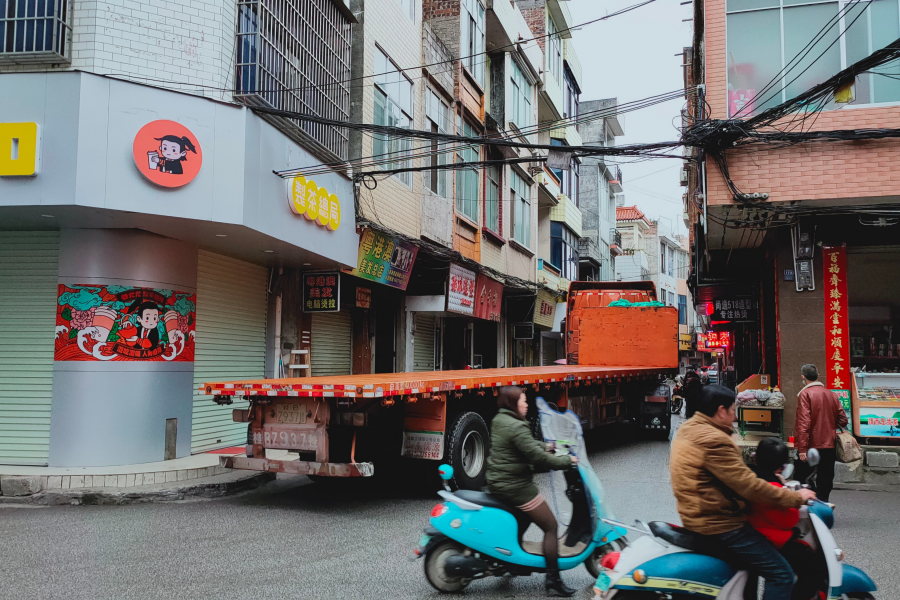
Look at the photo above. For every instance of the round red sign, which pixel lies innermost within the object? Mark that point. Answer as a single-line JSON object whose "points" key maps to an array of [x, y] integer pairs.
{"points": [[167, 153]]}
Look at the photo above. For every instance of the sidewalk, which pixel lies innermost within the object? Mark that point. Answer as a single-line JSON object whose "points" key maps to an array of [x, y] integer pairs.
{"points": [[199, 475]]}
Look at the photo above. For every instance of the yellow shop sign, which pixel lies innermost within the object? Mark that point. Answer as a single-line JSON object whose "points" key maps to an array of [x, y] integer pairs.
{"points": [[20, 149], [314, 202]]}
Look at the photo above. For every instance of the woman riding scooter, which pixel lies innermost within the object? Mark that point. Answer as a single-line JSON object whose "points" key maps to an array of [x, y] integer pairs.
{"points": [[514, 454]]}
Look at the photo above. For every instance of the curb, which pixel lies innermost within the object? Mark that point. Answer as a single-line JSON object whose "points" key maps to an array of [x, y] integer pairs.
{"points": [[867, 487], [214, 487]]}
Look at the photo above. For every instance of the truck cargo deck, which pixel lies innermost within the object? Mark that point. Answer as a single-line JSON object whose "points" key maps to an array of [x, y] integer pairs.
{"points": [[400, 384]]}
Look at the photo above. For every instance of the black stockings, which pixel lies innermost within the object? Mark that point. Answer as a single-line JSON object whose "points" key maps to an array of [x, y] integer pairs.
{"points": [[543, 517]]}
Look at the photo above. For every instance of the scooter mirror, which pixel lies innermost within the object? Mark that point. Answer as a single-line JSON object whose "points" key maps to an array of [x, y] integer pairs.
{"points": [[812, 457], [446, 472], [788, 471]]}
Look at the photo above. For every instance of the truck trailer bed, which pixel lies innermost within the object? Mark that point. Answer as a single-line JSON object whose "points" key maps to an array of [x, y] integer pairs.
{"points": [[402, 384]]}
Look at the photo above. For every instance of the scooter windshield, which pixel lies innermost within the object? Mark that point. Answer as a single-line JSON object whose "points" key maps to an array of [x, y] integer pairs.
{"points": [[564, 429]]}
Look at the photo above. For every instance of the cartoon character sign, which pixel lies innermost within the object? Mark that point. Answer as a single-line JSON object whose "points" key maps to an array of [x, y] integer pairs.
{"points": [[124, 323], [167, 153]]}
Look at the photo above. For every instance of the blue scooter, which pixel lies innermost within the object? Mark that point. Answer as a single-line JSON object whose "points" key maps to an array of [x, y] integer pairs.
{"points": [[673, 562], [474, 535]]}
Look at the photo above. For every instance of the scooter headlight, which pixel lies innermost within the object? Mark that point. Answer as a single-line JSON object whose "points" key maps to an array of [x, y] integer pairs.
{"points": [[639, 576]]}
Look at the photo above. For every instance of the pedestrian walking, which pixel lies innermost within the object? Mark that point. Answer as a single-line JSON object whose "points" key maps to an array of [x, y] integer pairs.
{"points": [[819, 414]]}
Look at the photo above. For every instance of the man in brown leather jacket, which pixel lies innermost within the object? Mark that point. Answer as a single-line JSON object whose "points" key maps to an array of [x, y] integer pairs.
{"points": [[819, 414], [712, 485]]}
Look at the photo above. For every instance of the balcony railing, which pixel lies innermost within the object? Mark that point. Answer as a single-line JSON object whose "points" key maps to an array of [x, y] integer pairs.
{"points": [[294, 55], [34, 31], [615, 237]]}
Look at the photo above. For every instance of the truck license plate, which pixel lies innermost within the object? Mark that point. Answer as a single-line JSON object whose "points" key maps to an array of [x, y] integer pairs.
{"points": [[423, 444], [286, 438], [290, 414]]}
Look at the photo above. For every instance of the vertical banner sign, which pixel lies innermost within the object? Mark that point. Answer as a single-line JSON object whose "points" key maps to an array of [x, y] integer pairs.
{"points": [[385, 259], [489, 298], [837, 334], [461, 290], [321, 292]]}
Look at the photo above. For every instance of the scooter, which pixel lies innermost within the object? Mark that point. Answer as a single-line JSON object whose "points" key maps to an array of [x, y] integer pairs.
{"points": [[474, 535], [673, 562]]}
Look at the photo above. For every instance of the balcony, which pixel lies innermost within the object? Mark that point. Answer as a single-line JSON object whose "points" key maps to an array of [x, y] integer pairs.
{"points": [[615, 244], [589, 249], [547, 274], [566, 212], [616, 184], [548, 189]]}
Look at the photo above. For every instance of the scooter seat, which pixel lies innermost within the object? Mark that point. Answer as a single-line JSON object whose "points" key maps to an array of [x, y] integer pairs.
{"points": [[685, 538], [485, 499]]}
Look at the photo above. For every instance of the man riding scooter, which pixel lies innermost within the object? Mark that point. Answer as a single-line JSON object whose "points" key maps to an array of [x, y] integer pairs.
{"points": [[712, 486]]}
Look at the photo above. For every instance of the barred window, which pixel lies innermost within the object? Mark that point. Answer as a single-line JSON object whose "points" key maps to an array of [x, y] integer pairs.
{"points": [[34, 31], [295, 55]]}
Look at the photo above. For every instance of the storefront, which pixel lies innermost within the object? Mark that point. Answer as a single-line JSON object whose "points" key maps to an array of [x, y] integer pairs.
{"points": [[142, 230]]}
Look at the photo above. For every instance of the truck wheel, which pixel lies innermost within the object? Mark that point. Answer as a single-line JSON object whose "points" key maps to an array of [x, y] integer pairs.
{"points": [[435, 562], [468, 446]]}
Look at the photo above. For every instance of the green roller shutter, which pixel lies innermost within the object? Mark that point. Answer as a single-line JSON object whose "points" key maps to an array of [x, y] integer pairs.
{"points": [[331, 343], [29, 276], [423, 343], [231, 343]]}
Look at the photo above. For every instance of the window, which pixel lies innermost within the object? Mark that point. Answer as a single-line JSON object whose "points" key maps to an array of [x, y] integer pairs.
{"points": [[473, 39], [568, 179], [282, 64], [393, 106], [759, 29], [662, 295], [520, 98], [520, 197], [564, 250], [682, 309], [408, 7], [570, 107], [682, 272], [492, 199], [34, 30], [554, 52], [670, 261], [467, 179], [662, 259], [438, 116]]}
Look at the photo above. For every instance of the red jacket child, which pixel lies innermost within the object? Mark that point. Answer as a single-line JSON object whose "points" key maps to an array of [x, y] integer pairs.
{"points": [[777, 524]]}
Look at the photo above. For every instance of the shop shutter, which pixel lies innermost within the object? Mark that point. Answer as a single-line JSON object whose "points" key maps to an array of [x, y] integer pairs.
{"points": [[548, 351], [331, 343], [423, 343], [29, 276], [231, 343]]}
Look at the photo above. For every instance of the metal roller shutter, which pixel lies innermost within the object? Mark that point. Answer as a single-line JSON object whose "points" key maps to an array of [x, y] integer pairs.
{"points": [[231, 343], [423, 343], [331, 343], [548, 351], [29, 272]]}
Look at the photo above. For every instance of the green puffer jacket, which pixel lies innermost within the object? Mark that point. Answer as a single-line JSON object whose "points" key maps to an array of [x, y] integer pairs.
{"points": [[514, 454]]}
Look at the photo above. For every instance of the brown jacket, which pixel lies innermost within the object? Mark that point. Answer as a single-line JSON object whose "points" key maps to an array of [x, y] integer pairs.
{"points": [[819, 414], [711, 481]]}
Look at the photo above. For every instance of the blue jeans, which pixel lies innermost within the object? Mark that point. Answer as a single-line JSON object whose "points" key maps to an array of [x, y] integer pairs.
{"points": [[753, 552]]}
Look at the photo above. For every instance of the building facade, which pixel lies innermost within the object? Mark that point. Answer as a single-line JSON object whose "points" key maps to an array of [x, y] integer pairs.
{"points": [[147, 246], [801, 272]]}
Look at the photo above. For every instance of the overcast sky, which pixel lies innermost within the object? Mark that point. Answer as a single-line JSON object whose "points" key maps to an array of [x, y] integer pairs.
{"points": [[630, 57]]}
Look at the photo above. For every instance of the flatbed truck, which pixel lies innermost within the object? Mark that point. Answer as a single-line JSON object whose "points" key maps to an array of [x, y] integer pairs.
{"points": [[345, 426]]}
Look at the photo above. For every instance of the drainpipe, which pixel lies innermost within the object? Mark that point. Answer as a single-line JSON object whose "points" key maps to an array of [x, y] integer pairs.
{"points": [[277, 370]]}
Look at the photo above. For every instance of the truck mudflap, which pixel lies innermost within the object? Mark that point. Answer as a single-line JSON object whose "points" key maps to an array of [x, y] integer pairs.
{"points": [[298, 467]]}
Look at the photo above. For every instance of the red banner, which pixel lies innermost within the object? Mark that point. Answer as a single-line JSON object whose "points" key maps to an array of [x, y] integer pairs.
{"points": [[488, 298], [837, 334]]}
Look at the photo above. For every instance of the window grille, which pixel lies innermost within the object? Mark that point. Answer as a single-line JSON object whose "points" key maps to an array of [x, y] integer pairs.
{"points": [[295, 55], [34, 31]]}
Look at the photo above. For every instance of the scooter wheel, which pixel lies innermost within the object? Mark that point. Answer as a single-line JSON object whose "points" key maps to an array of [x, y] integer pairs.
{"points": [[592, 564], [435, 562]]}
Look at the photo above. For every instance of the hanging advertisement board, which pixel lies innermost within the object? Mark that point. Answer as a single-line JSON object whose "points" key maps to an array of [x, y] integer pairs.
{"points": [[461, 290], [385, 259]]}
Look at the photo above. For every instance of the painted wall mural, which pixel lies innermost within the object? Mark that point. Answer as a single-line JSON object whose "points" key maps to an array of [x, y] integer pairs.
{"points": [[124, 323]]}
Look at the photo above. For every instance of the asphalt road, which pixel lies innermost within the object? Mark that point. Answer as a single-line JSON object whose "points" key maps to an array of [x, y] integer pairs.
{"points": [[297, 539]]}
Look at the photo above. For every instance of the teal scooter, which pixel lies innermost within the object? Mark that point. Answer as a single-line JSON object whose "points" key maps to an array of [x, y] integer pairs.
{"points": [[473, 535]]}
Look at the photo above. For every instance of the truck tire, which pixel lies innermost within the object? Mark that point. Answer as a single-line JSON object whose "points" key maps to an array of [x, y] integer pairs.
{"points": [[468, 447]]}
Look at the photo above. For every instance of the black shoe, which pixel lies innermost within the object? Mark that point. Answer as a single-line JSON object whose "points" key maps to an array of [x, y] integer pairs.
{"points": [[555, 586]]}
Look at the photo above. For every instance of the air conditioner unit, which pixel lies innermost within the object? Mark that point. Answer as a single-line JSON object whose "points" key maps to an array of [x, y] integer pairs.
{"points": [[523, 331]]}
